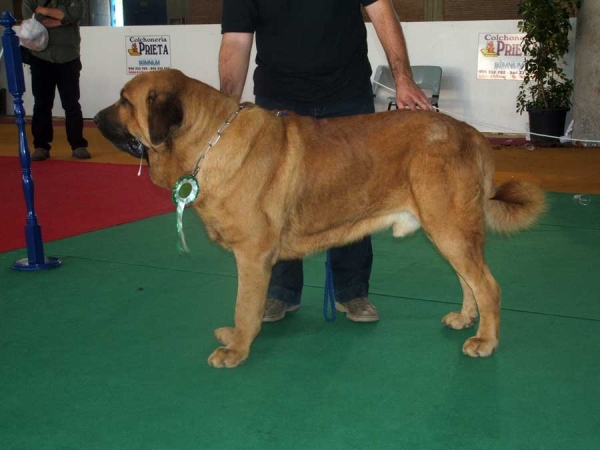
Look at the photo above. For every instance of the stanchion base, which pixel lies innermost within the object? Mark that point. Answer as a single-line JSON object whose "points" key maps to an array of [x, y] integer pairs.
{"points": [[24, 265]]}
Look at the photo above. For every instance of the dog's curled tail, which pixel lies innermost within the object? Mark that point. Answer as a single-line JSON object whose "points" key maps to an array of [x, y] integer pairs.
{"points": [[516, 205]]}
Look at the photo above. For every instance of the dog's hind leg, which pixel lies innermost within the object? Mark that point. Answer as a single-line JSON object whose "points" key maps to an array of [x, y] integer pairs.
{"points": [[465, 318], [487, 295], [448, 189], [254, 273], [463, 248], [456, 228]]}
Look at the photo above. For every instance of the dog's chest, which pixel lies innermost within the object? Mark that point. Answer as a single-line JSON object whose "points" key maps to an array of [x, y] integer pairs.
{"points": [[218, 230]]}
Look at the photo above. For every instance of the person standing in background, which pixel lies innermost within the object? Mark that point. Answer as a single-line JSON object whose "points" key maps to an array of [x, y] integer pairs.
{"points": [[58, 66], [312, 59]]}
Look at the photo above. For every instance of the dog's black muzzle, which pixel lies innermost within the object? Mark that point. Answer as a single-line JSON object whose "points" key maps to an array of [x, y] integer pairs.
{"points": [[118, 135], [133, 147]]}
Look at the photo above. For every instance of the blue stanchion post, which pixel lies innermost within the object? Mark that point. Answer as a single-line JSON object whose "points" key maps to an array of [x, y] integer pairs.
{"points": [[16, 85]]}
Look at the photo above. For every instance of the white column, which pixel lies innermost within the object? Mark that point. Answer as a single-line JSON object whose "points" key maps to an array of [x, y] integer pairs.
{"points": [[586, 97]]}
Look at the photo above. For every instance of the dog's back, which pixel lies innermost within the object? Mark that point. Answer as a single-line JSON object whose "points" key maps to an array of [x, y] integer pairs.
{"points": [[370, 168]]}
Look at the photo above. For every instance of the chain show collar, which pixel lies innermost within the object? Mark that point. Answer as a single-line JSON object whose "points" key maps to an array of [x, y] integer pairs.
{"points": [[187, 188], [217, 136]]}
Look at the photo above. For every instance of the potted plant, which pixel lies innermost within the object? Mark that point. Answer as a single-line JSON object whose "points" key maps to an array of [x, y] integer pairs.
{"points": [[545, 91]]}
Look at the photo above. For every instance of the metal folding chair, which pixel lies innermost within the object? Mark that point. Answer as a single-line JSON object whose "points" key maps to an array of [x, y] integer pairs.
{"points": [[428, 78]]}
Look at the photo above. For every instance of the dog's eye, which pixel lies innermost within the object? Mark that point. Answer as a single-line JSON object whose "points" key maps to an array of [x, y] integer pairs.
{"points": [[123, 100]]}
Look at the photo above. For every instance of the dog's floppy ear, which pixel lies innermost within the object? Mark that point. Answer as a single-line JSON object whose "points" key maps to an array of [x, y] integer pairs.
{"points": [[165, 115]]}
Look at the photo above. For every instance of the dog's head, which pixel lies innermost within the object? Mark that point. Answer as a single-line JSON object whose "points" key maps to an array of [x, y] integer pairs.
{"points": [[148, 113]]}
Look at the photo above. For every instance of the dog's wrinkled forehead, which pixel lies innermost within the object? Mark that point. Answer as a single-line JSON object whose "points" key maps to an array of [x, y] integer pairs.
{"points": [[134, 93], [153, 104], [151, 83]]}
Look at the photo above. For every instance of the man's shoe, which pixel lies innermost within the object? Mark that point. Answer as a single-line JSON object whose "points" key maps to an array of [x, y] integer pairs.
{"points": [[359, 310], [81, 153], [40, 154], [275, 310]]}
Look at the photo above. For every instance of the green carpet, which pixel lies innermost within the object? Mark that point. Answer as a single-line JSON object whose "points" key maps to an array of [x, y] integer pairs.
{"points": [[109, 351]]}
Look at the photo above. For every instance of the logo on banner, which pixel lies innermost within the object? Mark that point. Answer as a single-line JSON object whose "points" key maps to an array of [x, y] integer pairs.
{"points": [[133, 51], [489, 50]]}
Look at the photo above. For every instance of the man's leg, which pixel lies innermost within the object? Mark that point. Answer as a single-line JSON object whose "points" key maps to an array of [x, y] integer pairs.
{"points": [[351, 264], [43, 87], [351, 267], [68, 89], [287, 277], [285, 289]]}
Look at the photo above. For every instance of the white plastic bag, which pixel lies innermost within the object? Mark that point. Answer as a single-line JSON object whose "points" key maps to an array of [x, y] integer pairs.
{"points": [[33, 35]]}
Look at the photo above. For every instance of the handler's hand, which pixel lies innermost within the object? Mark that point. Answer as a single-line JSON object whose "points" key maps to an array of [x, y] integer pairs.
{"points": [[409, 95]]}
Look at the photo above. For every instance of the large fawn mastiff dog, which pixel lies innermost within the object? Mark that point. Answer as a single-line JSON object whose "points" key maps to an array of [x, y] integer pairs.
{"points": [[279, 186]]}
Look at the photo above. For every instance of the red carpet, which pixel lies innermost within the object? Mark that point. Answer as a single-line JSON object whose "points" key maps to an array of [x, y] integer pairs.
{"points": [[73, 197]]}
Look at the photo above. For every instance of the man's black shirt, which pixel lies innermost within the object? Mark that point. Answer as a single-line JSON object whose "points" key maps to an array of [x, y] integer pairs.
{"points": [[308, 51]]}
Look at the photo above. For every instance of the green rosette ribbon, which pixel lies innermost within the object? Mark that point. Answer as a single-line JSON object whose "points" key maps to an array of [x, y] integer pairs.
{"points": [[185, 192]]}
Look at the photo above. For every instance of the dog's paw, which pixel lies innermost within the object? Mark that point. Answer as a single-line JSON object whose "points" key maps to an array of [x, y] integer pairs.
{"points": [[225, 335], [479, 347], [226, 357], [458, 321]]}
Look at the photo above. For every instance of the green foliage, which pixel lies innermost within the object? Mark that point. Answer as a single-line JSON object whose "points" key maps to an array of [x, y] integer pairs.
{"points": [[546, 26]]}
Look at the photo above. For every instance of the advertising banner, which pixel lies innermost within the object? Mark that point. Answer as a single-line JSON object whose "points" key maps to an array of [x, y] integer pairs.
{"points": [[147, 53], [500, 56]]}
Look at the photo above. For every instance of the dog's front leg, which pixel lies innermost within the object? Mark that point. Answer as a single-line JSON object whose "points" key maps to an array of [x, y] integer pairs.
{"points": [[254, 274]]}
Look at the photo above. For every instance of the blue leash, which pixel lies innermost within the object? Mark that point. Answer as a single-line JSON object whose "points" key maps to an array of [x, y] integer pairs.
{"points": [[329, 294]]}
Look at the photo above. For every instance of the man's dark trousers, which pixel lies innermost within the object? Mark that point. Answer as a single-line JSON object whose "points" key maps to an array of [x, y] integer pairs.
{"points": [[45, 78], [351, 264]]}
